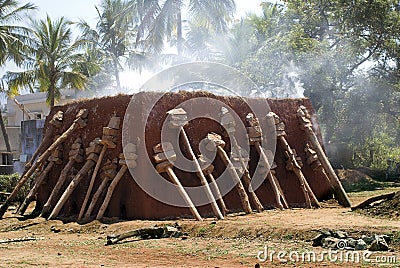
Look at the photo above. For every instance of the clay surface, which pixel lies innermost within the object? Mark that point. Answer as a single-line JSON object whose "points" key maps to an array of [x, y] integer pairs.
{"points": [[129, 201]]}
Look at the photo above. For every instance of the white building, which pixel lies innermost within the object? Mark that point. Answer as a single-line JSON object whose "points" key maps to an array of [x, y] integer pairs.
{"points": [[29, 116]]}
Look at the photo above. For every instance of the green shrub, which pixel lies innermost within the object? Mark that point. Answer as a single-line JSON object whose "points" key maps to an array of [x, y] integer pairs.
{"points": [[7, 184]]}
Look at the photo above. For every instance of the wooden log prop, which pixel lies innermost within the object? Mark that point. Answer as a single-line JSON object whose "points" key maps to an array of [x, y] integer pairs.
{"points": [[108, 141], [178, 119], [313, 160], [109, 171], [79, 122], [255, 138], [373, 199], [92, 156], [54, 159], [208, 168], [293, 162], [22, 239], [306, 125], [240, 158], [76, 155], [214, 142], [126, 160], [164, 156], [146, 233]]}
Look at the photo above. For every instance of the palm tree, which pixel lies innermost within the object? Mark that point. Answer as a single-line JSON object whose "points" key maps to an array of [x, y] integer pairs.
{"points": [[12, 44], [161, 20], [51, 60], [113, 33]]}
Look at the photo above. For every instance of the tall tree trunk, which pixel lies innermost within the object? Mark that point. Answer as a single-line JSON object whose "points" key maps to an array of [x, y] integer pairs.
{"points": [[179, 40], [116, 73], [51, 92], [6, 140]]}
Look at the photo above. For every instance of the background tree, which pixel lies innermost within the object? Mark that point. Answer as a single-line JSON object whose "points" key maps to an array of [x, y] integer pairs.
{"points": [[161, 21], [13, 41], [343, 55], [50, 60], [114, 33]]}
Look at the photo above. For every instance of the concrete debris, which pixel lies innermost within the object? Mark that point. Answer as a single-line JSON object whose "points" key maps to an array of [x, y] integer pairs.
{"points": [[342, 241]]}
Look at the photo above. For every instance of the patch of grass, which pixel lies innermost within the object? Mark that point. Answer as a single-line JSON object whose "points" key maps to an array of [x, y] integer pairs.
{"points": [[8, 183], [288, 236], [366, 186]]}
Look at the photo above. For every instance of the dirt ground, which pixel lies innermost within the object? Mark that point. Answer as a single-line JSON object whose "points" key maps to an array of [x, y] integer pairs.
{"points": [[233, 242]]}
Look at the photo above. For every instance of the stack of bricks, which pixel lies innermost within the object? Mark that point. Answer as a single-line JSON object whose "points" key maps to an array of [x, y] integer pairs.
{"points": [[76, 152], [312, 158], [129, 157], [109, 169], [164, 155], [93, 151], [110, 133]]}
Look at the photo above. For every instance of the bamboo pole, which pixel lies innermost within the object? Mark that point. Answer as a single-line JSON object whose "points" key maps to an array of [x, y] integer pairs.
{"points": [[229, 124]]}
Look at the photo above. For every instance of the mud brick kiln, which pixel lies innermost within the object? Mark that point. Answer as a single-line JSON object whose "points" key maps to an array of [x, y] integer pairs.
{"points": [[104, 120]]}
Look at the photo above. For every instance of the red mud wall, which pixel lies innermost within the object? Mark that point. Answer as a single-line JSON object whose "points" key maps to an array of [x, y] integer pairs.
{"points": [[129, 201]]}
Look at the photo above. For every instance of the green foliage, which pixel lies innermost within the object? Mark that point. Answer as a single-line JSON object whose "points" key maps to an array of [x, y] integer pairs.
{"points": [[14, 39], [7, 184], [50, 60], [380, 147], [346, 57]]}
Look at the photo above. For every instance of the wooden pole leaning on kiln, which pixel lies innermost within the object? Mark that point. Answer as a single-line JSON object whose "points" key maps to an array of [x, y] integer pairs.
{"points": [[75, 155], [293, 163], [208, 168], [178, 120], [92, 156], [239, 162], [255, 138], [79, 122], [54, 159], [306, 125], [107, 141], [164, 156], [214, 143], [109, 171], [126, 160]]}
